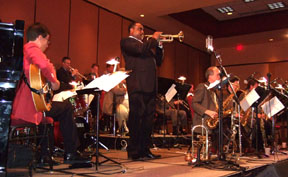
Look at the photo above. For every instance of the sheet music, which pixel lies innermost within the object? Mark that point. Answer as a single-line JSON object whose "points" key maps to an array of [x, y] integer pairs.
{"points": [[108, 81], [249, 99], [170, 93], [60, 97], [272, 107]]}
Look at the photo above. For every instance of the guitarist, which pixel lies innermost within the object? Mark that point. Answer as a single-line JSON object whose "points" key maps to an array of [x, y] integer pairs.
{"points": [[23, 106]]}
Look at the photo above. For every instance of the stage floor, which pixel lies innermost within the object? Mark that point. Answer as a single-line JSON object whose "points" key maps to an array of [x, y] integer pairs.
{"points": [[171, 164]]}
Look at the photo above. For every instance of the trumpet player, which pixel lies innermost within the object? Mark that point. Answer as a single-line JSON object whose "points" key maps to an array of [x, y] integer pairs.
{"points": [[142, 57], [66, 74]]}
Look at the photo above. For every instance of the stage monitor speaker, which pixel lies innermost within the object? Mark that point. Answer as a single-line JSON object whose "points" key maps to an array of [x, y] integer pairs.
{"points": [[275, 170]]}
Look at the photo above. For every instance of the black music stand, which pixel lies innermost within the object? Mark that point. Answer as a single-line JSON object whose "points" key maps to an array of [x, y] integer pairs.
{"points": [[97, 92], [263, 93], [182, 91], [163, 85]]}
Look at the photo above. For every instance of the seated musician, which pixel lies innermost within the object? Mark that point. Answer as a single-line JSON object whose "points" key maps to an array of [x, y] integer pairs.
{"points": [[204, 103], [114, 99], [93, 74], [230, 106], [171, 111], [23, 106], [264, 131], [66, 74]]}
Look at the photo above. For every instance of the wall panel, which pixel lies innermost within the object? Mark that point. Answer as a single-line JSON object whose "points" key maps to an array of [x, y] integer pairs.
{"points": [[17, 10], [83, 35], [125, 24], [47, 12], [167, 68], [109, 37], [193, 67], [181, 60]]}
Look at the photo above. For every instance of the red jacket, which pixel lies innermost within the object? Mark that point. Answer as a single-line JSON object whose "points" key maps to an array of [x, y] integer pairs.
{"points": [[23, 106]]}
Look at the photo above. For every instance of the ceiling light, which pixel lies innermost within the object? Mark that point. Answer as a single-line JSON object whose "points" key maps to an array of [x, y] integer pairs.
{"points": [[271, 39], [276, 5], [225, 10], [247, 1], [229, 13], [142, 15]]}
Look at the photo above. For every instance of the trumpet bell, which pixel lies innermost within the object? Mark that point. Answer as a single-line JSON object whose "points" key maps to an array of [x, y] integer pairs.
{"points": [[181, 36]]}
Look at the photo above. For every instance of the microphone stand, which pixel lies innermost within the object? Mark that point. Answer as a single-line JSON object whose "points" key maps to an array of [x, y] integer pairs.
{"points": [[221, 155]]}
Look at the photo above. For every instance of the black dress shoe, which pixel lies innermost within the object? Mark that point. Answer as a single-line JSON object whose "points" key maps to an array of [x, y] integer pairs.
{"points": [[46, 160], [72, 158], [151, 156]]}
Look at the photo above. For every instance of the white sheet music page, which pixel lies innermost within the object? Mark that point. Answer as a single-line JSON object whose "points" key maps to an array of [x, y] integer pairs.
{"points": [[249, 99], [108, 81], [170, 93], [272, 107], [60, 97]]}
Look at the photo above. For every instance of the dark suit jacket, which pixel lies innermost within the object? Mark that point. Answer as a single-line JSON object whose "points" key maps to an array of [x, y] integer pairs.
{"points": [[143, 61], [202, 101], [64, 77]]}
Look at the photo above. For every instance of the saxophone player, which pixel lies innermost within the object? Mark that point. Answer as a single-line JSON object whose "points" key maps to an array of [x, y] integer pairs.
{"points": [[204, 103]]}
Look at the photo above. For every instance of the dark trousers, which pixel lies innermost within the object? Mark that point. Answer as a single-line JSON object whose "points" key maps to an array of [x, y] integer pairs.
{"points": [[63, 112], [140, 122]]}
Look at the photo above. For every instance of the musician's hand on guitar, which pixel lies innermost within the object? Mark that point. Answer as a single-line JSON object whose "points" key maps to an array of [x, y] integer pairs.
{"points": [[55, 85], [210, 113]]}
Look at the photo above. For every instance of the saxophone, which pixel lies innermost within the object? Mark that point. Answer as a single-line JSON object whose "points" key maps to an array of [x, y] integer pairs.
{"points": [[245, 118], [213, 122]]}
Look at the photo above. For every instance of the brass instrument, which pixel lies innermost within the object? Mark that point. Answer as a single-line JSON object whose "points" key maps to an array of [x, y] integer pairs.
{"points": [[79, 74], [212, 122], [169, 37], [204, 142]]}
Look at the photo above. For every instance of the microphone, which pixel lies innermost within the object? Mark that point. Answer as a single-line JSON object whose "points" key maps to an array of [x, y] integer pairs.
{"points": [[209, 43], [250, 77]]}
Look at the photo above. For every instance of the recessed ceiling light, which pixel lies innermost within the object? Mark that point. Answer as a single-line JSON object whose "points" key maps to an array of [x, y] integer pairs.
{"points": [[271, 39], [276, 5], [225, 10], [142, 15], [247, 1]]}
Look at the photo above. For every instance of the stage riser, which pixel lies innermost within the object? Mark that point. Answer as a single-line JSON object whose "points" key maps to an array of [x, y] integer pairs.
{"points": [[115, 142], [279, 169]]}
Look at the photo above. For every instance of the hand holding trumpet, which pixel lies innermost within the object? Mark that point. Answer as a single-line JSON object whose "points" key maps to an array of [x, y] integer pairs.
{"points": [[76, 72]]}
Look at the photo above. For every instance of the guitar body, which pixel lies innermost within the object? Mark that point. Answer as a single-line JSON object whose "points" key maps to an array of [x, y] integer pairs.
{"points": [[42, 101]]}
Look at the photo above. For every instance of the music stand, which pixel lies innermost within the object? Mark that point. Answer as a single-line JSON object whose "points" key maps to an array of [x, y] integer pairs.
{"points": [[263, 93], [182, 91], [163, 85], [97, 92]]}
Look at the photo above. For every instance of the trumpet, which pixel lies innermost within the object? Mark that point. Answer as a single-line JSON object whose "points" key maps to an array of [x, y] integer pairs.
{"points": [[169, 37], [79, 74]]}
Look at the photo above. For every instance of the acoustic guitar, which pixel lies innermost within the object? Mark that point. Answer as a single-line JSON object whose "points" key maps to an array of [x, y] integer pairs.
{"points": [[43, 98]]}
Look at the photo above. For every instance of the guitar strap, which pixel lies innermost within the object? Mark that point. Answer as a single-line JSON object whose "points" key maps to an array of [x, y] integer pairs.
{"points": [[32, 89]]}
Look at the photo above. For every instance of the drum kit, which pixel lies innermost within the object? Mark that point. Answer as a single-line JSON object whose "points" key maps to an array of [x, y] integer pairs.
{"points": [[82, 115]]}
